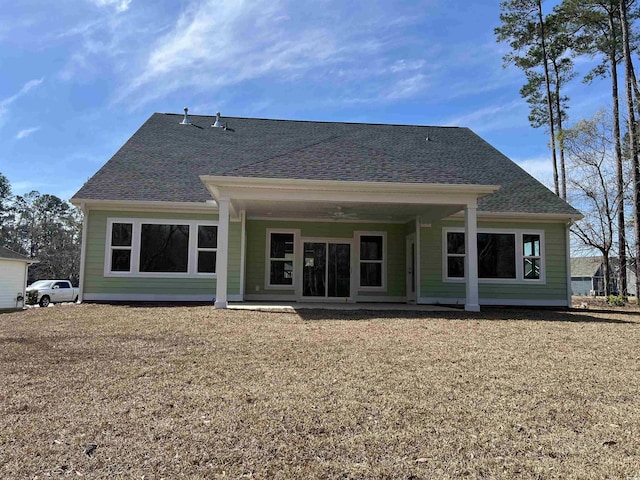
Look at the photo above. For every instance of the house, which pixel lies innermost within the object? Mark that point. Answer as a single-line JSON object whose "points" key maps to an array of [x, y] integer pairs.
{"points": [[13, 278], [587, 276], [193, 208]]}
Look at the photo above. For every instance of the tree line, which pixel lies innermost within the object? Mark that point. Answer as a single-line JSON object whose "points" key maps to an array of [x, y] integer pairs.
{"points": [[595, 161], [42, 227]]}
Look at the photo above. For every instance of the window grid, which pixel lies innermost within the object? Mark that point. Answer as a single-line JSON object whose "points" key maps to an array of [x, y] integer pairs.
{"points": [[135, 244], [280, 259], [531, 256], [520, 259], [372, 260]]}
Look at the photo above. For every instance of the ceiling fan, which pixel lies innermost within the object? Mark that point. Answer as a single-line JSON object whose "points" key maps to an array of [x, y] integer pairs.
{"points": [[340, 214]]}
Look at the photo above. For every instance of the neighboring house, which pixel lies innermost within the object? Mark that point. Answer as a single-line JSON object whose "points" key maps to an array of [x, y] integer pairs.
{"points": [[13, 278], [587, 276], [259, 210]]}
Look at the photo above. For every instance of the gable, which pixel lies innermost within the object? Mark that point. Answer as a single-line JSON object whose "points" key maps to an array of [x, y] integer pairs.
{"points": [[163, 160]]}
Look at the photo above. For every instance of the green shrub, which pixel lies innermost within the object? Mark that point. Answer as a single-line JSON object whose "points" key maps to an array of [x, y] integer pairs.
{"points": [[616, 300], [32, 297]]}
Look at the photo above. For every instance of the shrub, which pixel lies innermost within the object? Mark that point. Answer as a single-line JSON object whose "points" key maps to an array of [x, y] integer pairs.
{"points": [[616, 300], [32, 297]]}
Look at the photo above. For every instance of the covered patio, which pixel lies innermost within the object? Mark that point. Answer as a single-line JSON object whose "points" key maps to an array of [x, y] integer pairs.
{"points": [[240, 198]]}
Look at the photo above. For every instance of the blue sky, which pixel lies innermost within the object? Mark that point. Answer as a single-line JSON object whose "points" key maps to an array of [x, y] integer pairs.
{"points": [[80, 76]]}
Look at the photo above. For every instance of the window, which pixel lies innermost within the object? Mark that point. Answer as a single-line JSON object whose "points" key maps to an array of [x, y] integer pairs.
{"points": [[164, 248], [281, 256], [150, 247], [496, 255], [455, 254], [371, 260], [531, 256], [121, 237], [207, 248], [502, 256]]}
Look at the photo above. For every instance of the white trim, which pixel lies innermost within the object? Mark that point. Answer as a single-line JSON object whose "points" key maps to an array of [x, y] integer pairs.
{"points": [[568, 263], [520, 217], [261, 297], [323, 220], [192, 262], [222, 256], [471, 259], [411, 267], [154, 297], [292, 190], [267, 257], [357, 234], [300, 273], [418, 258], [83, 250], [25, 260], [518, 233], [525, 302], [341, 185], [210, 206]]}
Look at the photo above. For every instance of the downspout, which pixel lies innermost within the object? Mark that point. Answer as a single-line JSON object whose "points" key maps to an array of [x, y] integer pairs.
{"points": [[83, 249], [417, 265], [568, 261], [24, 287]]}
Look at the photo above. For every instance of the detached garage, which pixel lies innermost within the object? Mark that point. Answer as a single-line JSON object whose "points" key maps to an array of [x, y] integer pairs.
{"points": [[13, 278]]}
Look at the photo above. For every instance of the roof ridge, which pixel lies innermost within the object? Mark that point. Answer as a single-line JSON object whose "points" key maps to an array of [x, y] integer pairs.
{"points": [[317, 121]]}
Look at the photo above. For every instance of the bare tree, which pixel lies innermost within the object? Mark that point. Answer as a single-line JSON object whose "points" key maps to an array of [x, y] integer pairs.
{"points": [[592, 185]]}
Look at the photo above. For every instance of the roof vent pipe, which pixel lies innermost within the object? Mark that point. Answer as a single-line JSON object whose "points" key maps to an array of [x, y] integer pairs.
{"points": [[217, 124], [185, 120]]}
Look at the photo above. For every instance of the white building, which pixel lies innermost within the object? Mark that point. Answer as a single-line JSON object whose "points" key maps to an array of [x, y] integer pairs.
{"points": [[13, 278]]}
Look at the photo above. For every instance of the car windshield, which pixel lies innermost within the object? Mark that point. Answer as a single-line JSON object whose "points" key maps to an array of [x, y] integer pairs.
{"points": [[41, 284]]}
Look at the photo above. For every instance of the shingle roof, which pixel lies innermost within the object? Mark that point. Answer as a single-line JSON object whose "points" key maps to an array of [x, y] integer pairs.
{"points": [[585, 266], [10, 254], [162, 161]]}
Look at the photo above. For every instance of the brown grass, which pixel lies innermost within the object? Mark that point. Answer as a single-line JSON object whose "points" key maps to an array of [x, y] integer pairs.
{"points": [[192, 392]]}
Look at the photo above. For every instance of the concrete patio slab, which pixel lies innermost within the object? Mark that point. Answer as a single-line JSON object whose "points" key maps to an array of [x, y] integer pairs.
{"points": [[295, 306]]}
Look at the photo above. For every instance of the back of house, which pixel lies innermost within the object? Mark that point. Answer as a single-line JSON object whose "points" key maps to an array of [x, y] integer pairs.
{"points": [[193, 208]]}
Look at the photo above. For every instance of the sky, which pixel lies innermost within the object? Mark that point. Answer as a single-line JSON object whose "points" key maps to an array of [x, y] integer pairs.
{"points": [[79, 77]]}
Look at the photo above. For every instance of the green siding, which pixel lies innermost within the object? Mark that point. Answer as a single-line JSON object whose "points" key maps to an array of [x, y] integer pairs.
{"points": [[256, 251], [96, 283], [555, 288]]}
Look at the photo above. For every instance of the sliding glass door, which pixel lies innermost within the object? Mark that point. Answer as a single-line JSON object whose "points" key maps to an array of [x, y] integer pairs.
{"points": [[326, 270]]}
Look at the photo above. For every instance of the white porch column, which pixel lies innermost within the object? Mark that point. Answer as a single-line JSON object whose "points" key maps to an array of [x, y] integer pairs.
{"points": [[471, 258], [222, 256]]}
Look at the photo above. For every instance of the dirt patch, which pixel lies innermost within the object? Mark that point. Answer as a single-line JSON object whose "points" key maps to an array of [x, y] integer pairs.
{"points": [[191, 392]]}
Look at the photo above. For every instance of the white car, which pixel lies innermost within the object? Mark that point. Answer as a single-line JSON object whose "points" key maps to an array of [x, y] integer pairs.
{"points": [[51, 291]]}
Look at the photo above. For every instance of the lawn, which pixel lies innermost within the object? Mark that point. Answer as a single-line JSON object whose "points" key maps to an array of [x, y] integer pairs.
{"points": [[191, 392]]}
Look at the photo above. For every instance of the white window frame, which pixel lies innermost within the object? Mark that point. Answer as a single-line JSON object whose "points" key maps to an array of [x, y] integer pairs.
{"points": [[109, 254], [203, 249], [519, 256], [267, 257], [358, 235], [532, 257], [134, 272]]}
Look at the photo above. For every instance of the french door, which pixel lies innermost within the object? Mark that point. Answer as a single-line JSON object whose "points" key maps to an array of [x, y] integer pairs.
{"points": [[326, 270]]}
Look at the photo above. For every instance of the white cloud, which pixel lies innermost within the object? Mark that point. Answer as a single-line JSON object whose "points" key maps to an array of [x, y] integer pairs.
{"points": [[5, 103], [119, 5], [26, 132], [216, 43], [404, 65], [540, 167], [493, 117], [408, 87]]}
